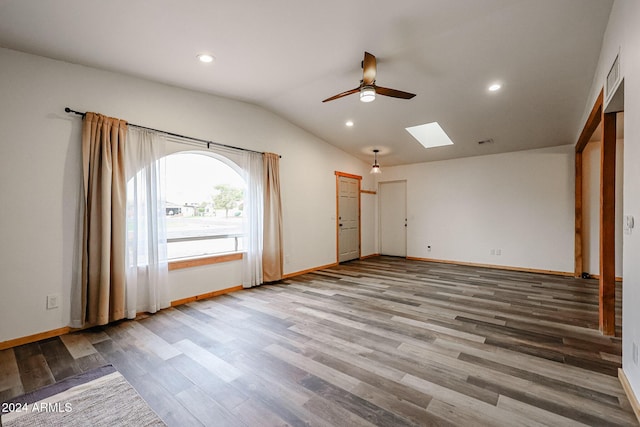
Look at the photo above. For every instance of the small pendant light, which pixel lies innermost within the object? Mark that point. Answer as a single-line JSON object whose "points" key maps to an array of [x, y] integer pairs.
{"points": [[376, 167]]}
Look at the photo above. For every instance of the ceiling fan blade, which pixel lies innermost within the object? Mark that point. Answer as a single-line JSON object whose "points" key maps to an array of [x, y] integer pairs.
{"points": [[340, 95], [393, 93], [368, 69]]}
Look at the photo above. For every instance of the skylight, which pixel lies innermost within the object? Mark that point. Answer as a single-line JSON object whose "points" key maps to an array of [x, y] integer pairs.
{"points": [[430, 135]]}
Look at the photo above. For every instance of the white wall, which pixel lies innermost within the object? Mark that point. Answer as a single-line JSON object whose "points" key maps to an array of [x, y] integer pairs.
{"points": [[188, 282], [40, 178], [521, 203], [623, 36]]}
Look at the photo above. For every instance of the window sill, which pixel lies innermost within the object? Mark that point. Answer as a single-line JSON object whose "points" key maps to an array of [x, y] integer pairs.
{"points": [[208, 260]]}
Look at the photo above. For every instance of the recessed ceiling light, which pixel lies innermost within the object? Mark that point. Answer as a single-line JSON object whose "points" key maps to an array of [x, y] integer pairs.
{"points": [[430, 135], [348, 123], [494, 87], [205, 57]]}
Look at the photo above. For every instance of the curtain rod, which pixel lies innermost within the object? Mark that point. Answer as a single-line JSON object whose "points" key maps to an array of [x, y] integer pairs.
{"points": [[79, 113]]}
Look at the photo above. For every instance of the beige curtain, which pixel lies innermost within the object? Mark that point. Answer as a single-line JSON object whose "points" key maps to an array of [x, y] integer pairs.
{"points": [[103, 257], [272, 234]]}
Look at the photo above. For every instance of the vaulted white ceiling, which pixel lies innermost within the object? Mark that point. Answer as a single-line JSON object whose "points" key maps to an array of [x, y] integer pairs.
{"points": [[287, 56]]}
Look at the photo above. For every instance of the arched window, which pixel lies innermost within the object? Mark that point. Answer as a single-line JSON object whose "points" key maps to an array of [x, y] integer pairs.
{"points": [[204, 205]]}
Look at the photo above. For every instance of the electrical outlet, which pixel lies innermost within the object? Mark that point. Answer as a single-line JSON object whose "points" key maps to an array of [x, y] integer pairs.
{"points": [[498, 251], [428, 248], [52, 301], [493, 251], [634, 353]]}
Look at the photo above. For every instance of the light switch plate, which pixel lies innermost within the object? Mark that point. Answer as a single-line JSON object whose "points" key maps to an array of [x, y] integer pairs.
{"points": [[52, 301]]}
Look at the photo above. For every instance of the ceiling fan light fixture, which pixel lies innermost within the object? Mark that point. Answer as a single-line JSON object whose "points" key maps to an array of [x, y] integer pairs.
{"points": [[367, 94], [368, 89], [375, 168]]}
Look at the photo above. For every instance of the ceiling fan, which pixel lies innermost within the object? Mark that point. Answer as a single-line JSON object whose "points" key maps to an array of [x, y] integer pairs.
{"points": [[368, 88]]}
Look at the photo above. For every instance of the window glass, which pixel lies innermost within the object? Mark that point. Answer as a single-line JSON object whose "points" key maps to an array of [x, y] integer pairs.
{"points": [[204, 205]]}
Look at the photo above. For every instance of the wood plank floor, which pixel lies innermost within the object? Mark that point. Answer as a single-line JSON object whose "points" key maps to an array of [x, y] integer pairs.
{"points": [[384, 341]]}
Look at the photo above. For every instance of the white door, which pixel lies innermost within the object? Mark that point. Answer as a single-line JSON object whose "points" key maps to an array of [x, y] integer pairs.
{"points": [[393, 218], [348, 218]]}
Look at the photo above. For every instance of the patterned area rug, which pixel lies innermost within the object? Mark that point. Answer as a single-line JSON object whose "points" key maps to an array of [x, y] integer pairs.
{"points": [[101, 397]]}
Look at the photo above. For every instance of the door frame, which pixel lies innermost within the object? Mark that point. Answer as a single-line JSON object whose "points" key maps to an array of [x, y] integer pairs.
{"points": [[607, 279], [359, 179]]}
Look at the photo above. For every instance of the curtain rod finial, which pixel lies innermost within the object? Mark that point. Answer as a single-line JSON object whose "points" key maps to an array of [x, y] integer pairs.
{"points": [[69, 110]]}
